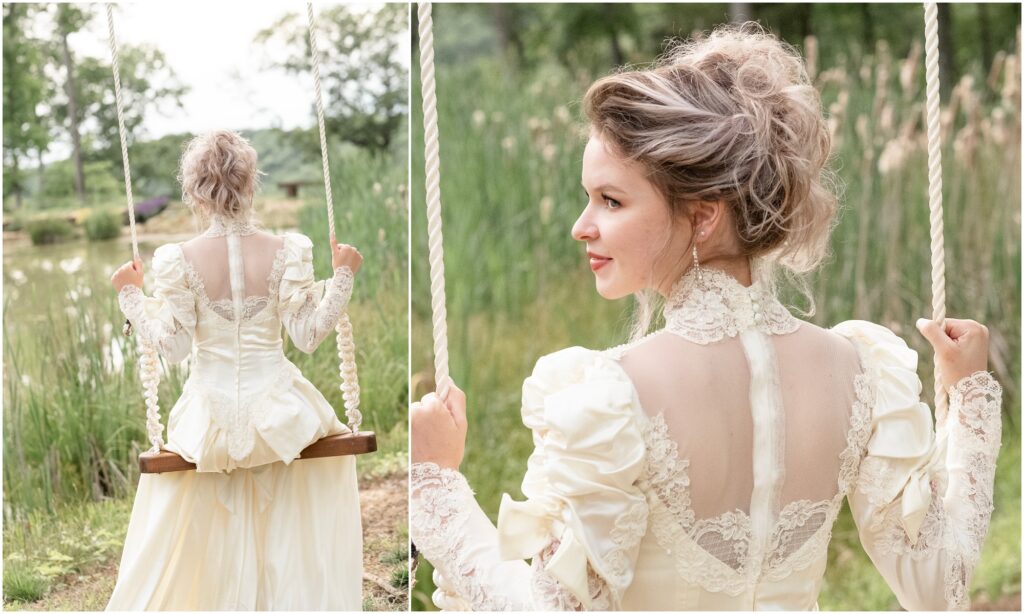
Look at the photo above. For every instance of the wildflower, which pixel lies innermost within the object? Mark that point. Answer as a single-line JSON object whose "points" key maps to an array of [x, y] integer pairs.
{"points": [[479, 118], [377, 188], [508, 143], [549, 152], [71, 265]]}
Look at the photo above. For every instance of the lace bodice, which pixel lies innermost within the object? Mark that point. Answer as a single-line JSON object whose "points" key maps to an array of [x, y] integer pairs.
{"points": [[703, 467], [222, 299]]}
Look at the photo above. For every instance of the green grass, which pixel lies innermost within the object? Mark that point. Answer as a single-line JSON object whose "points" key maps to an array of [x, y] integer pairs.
{"points": [[518, 287], [45, 550]]}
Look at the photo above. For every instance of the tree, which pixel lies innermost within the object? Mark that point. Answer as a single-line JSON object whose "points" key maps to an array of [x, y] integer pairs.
{"points": [[364, 75], [71, 19], [25, 89]]}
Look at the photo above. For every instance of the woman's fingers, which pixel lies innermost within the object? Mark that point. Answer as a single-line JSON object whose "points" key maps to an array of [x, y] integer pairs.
{"points": [[935, 335]]}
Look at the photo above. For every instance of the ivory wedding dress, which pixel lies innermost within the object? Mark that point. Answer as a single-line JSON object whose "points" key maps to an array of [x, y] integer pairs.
{"points": [[249, 529], [703, 467]]}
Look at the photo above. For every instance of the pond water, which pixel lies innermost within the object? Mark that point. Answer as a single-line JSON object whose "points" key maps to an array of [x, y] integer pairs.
{"points": [[54, 283]]}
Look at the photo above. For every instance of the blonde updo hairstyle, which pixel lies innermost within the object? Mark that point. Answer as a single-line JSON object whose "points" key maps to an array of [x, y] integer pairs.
{"points": [[732, 117], [218, 175]]}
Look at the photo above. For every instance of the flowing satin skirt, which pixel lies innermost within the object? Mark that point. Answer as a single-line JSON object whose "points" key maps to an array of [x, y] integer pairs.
{"points": [[274, 537]]}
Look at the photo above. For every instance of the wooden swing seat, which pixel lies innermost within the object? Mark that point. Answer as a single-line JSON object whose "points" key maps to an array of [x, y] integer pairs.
{"points": [[346, 444]]}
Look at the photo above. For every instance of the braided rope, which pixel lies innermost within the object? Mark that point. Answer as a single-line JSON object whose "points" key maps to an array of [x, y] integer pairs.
{"points": [[149, 364], [433, 184], [347, 369], [315, 51], [116, 67], [931, 33], [346, 342]]}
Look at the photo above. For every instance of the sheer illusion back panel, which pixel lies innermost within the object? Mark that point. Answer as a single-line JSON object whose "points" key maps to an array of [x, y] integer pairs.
{"points": [[208, 259], [817, 370], [702, 392], [698, 402]]}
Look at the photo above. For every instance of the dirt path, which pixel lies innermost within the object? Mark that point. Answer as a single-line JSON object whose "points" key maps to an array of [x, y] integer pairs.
{"points": [[384, 504]]}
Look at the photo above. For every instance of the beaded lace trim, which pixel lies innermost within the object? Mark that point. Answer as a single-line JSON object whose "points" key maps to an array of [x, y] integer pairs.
{"points": [[221, 226], [715, 553], [252, 306], [710, 307]]}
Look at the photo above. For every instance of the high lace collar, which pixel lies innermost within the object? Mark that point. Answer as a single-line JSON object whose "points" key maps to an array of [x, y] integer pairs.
{"points": [[221, 226], [717, 306]]}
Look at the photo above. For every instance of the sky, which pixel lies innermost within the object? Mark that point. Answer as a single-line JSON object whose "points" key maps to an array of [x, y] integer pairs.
{"points": [[209, 45]]}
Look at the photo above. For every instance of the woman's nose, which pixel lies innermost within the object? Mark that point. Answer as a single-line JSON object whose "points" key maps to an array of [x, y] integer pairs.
{"points": [[584, 229]]}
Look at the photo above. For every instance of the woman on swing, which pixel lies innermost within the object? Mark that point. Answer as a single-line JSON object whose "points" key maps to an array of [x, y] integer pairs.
{"points": [[248, 529], [703, 466]]}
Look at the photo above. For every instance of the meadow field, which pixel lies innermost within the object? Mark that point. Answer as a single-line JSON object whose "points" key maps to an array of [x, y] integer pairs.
{"points": [[74, 420], [519, 287]]}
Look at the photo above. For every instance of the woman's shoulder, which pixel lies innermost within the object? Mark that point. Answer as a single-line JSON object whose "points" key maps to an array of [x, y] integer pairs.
{"points": [[877, 346], [576, 386], [297, 240]]}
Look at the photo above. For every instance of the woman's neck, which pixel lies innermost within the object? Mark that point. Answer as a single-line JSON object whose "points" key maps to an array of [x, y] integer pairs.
{"points": [[737, 267]]}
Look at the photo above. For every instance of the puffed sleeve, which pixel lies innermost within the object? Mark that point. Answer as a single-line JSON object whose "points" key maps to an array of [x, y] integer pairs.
{"points": [[923, 498], [167, 320], [584, 516], [310, 309]]}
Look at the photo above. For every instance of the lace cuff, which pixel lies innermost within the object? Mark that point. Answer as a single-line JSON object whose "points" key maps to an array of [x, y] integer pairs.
{"points": [[974, 428], [313, 322], [171, 340], [452, 532]]}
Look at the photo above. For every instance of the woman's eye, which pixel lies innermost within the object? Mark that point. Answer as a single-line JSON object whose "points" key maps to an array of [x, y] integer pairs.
{"points": [[611, 203]]}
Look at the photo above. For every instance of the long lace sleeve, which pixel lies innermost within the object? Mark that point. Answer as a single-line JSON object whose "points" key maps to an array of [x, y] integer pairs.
{"points": [[923, 499], [584, 515], [456, 536], [167, 320], [310, 309]]}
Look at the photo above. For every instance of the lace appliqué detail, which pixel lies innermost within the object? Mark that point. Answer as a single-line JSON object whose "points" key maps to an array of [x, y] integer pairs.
{"points": [[549, 594], [715, 553], [221, 226], [974, 430], [325, 315], [238, 420], [131, 300], [709, 310], [252, 306], [439, 512]]}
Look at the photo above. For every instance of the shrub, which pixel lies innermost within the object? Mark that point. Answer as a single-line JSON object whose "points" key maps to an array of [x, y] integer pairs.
{"points": [[49, 230], [102, 225]]}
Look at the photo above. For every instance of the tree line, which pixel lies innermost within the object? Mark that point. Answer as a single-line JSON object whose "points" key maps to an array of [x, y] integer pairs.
{"points": [[55, 98]]}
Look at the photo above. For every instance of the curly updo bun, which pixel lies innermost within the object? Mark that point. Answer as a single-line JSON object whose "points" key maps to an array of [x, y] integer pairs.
{"points": [[218, 174], [732, 116]]}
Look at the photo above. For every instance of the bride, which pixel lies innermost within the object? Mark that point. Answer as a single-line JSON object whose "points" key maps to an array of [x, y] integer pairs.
{"points": [[249, 528], [703, 466]]}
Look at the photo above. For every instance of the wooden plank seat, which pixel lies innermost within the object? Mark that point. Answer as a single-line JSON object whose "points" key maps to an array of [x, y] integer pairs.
{"points": [[345, 444]]}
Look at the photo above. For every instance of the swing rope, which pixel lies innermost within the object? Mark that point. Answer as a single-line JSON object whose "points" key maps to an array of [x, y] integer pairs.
{"points": [[346, 343], [433, 186], [931, 46], [149, 362]]}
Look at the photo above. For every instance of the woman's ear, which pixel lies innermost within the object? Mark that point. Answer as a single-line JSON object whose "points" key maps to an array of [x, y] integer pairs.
{"points": [[707, 216]]}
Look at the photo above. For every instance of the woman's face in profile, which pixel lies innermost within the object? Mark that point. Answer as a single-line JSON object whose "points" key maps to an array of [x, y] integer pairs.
{"points": [[631, 241]]}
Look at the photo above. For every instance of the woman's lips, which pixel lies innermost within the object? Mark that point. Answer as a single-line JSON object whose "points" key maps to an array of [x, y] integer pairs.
{"points": [[596, 262]]}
